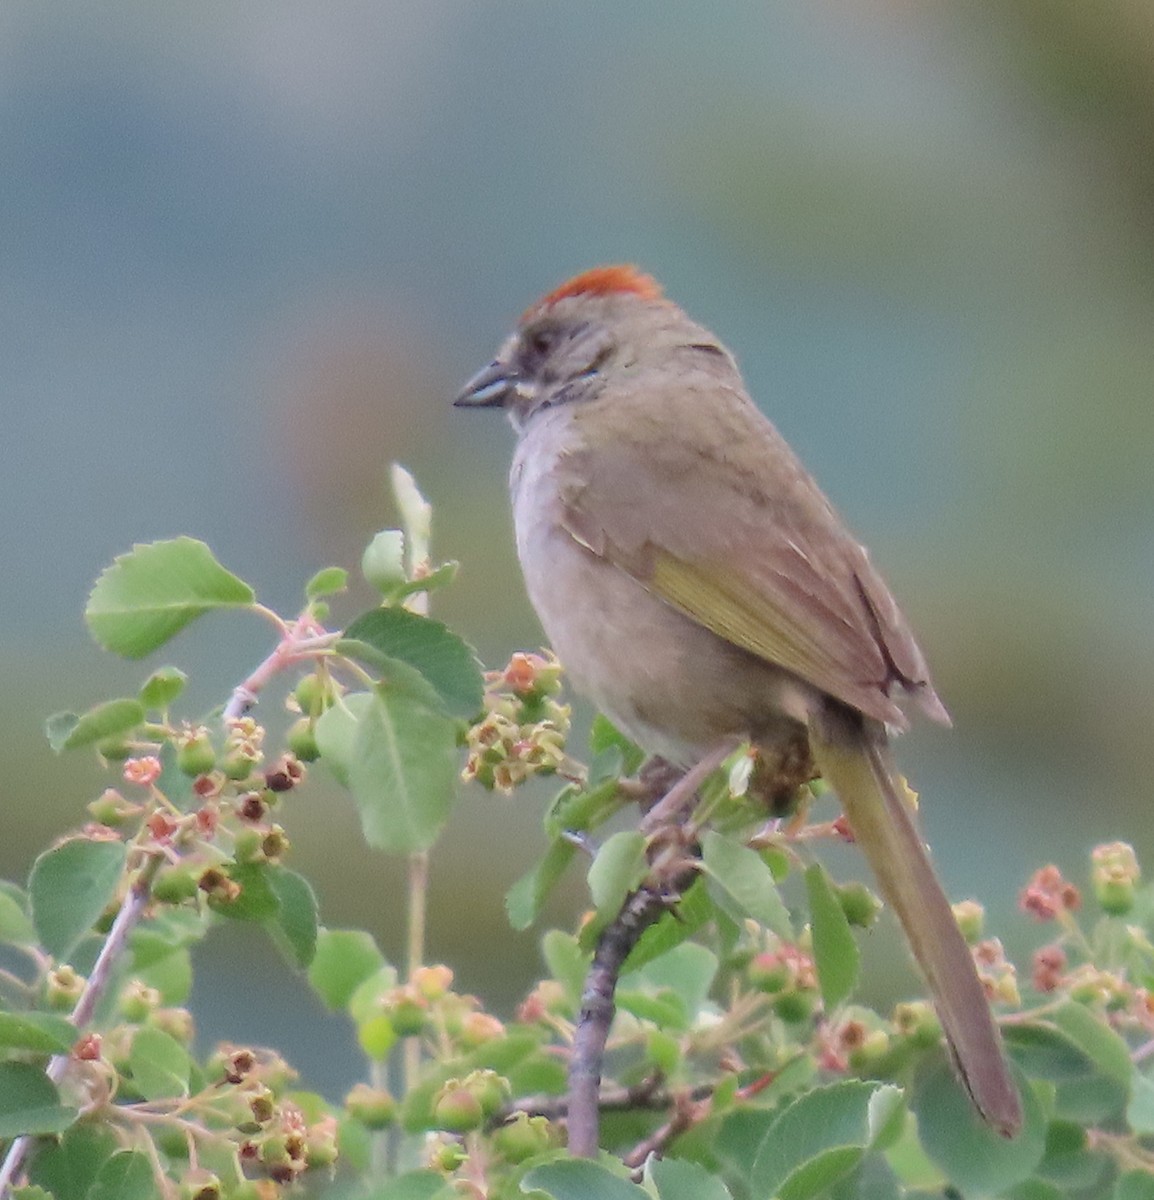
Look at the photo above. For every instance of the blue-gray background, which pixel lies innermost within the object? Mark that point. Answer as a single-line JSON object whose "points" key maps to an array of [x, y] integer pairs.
{"points": [[249, 251]]}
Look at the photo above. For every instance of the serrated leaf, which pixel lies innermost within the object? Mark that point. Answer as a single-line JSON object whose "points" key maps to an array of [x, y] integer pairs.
{"points": [[679, 1179], [383, 562], [160, 1064], [742, 875], [70, 886], [295, 922], [162, 687], [41, 1033], [524, 899], [448, 663], [67, 731], [820, 1137], [344, 959], [400, 764], [973, 1157], [329, 581], [573, 1179], [150, 594], [29, 1102], [127, 1175], [835, 952], [619, 866]]}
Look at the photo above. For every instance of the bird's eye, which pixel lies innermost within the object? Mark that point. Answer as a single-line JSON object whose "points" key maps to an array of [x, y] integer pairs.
{"points": [[541, 341]]}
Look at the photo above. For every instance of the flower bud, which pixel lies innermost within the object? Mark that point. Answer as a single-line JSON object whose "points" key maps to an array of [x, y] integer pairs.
{"points": [[971, 919], [917, 1022], [1114, 876], [432, 982], [477, 1028], [111, 808]]}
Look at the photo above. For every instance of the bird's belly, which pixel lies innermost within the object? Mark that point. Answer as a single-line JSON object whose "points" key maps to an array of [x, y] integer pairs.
{"points": [[668, 682]]}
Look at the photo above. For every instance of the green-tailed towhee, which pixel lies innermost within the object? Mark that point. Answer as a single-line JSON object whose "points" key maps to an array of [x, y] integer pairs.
{"points": [[698, 587]]}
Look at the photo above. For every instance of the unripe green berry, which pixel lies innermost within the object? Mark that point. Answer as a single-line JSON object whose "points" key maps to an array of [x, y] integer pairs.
{"points": [[523, 1137], [196, 756], [794, 1006], [199, 1184], [373, 1107], [175, 884], [138, 1001], [301, 739], [492, 1090], [859, 904], [237, 767], [769, 973], [313, 695], [458, 1110]]}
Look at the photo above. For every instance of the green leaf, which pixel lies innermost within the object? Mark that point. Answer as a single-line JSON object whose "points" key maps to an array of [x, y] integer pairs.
{"points": [[171, 975], [582, 808], [399, 761], [573, 1179], [383, 562], [604, 735], [257, 900], [29, 1102], [162, 687], [39, 1032], [1134, 1185], [975, 1158], [447, 662], [835, 952], [159, 1064], [416, 516], [150, 594], [295, 922], [1140, 1110], [524, 899], [15, 926], [127, 1175], [694, 911], [620, 865], [566, 961], [688, 971], [821, 1136], [344, 959], [679, 1179], [69, 1168], [329, 581], [1092, 1035], [741, 876], [66, 731], [415, 1185], [70, 886]]}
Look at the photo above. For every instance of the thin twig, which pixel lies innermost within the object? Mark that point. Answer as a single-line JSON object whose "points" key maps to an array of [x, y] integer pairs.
{"points": [[98, 981], [302, 639]]}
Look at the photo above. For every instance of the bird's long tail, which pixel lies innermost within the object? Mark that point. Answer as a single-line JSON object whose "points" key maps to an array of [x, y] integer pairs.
{"points": [[854, 758]]}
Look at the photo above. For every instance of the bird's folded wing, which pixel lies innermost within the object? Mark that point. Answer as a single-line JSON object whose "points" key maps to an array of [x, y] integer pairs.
{"points": [[737, 535]]}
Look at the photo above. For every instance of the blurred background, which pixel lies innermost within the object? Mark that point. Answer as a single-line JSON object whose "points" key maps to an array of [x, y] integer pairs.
{"points": [[250, 251]]}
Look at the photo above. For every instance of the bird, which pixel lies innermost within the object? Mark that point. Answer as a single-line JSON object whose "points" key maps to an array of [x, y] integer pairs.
{"points": [[700, 589]]}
